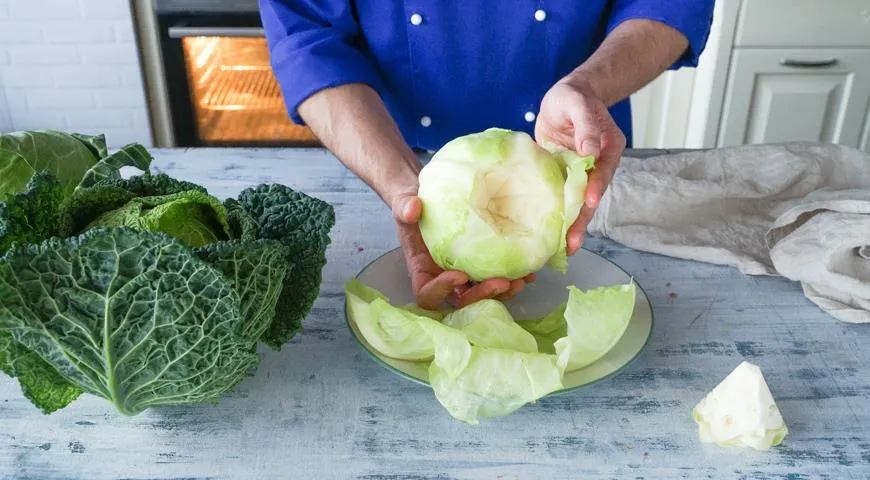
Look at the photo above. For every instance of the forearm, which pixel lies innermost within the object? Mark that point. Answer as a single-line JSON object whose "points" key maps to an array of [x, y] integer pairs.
{"points": [[634, 54], [353, 123]]}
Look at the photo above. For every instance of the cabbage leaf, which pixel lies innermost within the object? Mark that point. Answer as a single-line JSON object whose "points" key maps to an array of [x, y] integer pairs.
{"points": [[74, 160], [134, 317], [596, 319], [481, 362]]}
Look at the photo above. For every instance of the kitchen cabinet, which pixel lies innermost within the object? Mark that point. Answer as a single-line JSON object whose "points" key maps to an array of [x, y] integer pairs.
{"points": [[783, 95], [772, 71]]}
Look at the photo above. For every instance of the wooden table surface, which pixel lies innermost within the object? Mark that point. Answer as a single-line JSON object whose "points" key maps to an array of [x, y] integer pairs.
{"points": [[323, 409]]}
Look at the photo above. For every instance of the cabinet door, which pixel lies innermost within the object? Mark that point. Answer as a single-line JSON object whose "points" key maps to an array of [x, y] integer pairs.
{"points": [[792, 95]]}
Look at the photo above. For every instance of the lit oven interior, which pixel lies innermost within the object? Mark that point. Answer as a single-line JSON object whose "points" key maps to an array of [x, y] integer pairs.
{"points": [[236, 98]]}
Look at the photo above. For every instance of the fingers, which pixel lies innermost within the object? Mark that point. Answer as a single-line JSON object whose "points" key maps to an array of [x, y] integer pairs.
{"points": [[487, 289], [433, 294], [514, 290], [587, 129], [613, 143], [578, 230], [407, 209]]}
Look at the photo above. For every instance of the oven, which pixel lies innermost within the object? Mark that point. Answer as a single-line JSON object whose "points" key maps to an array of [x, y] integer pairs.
{"points": [[209, 78]]}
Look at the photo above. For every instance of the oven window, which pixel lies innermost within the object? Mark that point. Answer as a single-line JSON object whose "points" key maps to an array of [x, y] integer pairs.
{"points": [[236, 99]]}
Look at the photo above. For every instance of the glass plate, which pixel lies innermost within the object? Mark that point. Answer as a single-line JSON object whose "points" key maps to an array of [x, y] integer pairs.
{"points": [[586, 270]]}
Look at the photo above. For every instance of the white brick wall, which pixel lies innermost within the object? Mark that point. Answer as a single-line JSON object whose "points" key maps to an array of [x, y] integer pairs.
{"points": [[71, 65]]}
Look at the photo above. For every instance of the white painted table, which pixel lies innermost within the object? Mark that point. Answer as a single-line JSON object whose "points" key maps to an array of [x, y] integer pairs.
{"points": [[322, 409]]}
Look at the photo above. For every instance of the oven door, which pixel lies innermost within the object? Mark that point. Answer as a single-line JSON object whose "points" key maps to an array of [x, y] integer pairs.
{"points": [[220, 85]]}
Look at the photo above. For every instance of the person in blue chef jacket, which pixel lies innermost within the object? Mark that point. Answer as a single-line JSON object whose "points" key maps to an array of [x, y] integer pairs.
{"points": [[375, 80]]}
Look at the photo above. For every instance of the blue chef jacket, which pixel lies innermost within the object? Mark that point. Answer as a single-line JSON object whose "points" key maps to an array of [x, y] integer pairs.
{"points": [[448, 68]]}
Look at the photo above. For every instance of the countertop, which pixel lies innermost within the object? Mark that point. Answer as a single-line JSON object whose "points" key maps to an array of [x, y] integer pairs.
{"points": [[323, 409]]}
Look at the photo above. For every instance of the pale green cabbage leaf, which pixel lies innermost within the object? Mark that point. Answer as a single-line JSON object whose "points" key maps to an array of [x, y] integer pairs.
{"points": [[596, 319], [547, 329], [488, 323], [394, 332], [481, 362]]}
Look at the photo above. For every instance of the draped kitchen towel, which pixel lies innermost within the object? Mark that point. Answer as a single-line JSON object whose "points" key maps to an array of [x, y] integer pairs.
{"points": [[798, 210]]}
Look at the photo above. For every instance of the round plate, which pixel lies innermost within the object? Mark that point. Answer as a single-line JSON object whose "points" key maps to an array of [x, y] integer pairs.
{"points": [[586, 270]]}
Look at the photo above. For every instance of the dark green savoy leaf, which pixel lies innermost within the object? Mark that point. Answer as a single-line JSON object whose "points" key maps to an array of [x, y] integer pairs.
{"points": [[256, 270], [302, 223], [134, 317], [95, 143], [31, 216], [242, 225], [109, 167], [40, 383]]}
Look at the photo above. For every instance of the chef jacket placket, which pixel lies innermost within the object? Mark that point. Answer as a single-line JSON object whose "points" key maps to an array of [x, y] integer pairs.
{"points": [[415, 19], [539, 17]]}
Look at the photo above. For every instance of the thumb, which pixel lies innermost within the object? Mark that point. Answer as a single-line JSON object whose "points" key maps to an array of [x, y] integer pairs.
{"points": [[587, 133], [407, 208]]}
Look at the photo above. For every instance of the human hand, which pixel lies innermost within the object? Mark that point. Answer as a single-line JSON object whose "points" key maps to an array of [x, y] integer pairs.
{"points": [[432, 285], [573, 116]]}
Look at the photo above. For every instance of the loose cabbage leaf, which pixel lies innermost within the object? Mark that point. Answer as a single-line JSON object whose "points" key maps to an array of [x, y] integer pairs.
{"points": [[472, 375], [473, 382], [547, 329], [596, 319], [574, 169], [40, 382], [31, 216], [134, 317], [302, 223], [496, 382], [488, 323], [394, 332]]}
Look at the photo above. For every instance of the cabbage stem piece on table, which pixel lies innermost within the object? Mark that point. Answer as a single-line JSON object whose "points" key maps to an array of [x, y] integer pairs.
{"points": [[740, 412]]}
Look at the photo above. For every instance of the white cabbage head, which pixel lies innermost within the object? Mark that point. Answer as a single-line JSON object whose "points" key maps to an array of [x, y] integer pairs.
{"points": [[498, 204]]}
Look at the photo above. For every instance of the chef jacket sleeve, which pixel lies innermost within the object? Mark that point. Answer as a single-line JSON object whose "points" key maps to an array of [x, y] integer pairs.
{"points": [[692, 18], [313, 47]]}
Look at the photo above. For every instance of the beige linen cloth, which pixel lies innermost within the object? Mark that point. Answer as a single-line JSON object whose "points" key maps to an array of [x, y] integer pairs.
{"points": [[798, 210]]}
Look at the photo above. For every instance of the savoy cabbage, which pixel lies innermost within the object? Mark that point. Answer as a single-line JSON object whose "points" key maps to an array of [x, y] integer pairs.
{"points": [[148, 291]]}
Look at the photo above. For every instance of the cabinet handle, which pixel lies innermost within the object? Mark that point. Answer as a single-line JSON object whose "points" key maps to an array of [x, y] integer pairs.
{"points": [[183, 31], [790, 62]]}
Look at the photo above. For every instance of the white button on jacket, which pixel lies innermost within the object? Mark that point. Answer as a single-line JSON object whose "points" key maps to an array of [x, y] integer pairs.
{"points": [[416, 19], [540, 15]]}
